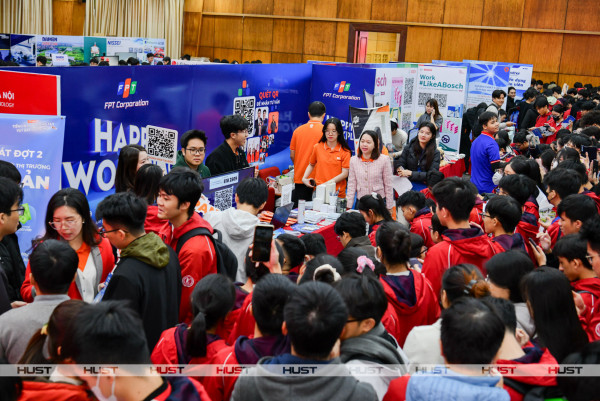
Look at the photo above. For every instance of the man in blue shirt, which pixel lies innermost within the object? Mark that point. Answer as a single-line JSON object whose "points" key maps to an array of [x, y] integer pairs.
{"points": [[485, 154]]}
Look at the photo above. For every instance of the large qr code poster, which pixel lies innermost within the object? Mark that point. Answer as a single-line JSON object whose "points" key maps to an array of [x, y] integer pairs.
{"points": [[244, 106], [223, 199], [162, 144]]}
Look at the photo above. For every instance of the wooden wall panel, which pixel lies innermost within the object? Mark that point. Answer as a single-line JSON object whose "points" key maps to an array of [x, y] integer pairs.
{"points": [[286, 58], [319, 38], [320, 8], [382, 10], [228, 54], [341, 40], [354, 9], [546, 76], [193, 6], [191, 28], [544, 15], [258, 7], [289, 7], [580, 55], [62, 14], [503, 13], [209, 5], [228, 32], [499, 46], [460, 44], [190, 49], [423, 44], [308, 57], [288, 36], [425, 11], [251, 55], [206, 52], [571, 79], [463, 12], [229, 6], [258, 34], [207, 31], [78, 19], [542, 50], [583, 15]]}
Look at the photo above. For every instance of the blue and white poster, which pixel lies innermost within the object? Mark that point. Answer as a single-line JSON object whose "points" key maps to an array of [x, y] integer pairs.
{"points": [[22, 49], [484, 78], [520, 78], [4, 47], [125, 47], [34, 144]]}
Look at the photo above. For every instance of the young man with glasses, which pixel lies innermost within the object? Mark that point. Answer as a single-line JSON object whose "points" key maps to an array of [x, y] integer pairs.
{"points": [[193, 150], [12, 269], [230, 155]]}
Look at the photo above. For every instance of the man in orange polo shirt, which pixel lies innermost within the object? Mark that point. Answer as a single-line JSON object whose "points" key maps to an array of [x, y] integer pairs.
{"points": [[303, 140]]}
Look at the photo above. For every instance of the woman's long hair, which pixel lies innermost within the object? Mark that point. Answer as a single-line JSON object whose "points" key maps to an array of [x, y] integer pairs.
{"points": [[127, 167], [338, 128], [430, 148], [436, 110]]}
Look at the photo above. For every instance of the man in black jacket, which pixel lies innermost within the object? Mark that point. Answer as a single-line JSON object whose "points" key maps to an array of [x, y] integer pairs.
{"points": [[230, 155], [147, 273]]}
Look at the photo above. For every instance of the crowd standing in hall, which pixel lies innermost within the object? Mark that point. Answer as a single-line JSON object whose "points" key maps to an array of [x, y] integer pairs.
{"points": [[499, 266]]}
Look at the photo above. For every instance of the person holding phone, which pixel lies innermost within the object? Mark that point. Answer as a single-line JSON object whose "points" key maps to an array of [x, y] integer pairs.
{"points": [[545, 120], [420, 156], [432, 115], [330, 158]]}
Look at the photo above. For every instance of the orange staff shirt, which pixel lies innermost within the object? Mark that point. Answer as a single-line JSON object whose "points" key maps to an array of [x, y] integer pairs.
{"points": [[329, 163]]}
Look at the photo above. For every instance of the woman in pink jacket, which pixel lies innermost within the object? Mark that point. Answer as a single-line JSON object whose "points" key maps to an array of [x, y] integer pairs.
{"points": [[370, 172]]}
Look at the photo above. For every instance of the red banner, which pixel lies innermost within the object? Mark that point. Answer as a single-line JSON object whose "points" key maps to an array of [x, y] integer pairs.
{"points": [[26, 93]]}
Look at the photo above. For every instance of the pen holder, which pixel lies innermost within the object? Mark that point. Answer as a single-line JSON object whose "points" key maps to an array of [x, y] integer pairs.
{"points": [[333, 200]]}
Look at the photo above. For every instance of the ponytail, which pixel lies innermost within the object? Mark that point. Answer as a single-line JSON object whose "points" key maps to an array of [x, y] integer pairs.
{"points": [[34, 353], [196, 337], [394, 241], [464, 280], [375, 203]]}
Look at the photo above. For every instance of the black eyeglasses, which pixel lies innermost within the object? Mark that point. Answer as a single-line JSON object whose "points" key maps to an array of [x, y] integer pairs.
{"points": [[20, 209], [195, 151], [103, 232]]}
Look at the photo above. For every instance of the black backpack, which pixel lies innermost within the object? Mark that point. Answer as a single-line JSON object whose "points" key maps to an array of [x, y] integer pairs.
{"points": [[227, 262], [470, 121], [532, 392]]}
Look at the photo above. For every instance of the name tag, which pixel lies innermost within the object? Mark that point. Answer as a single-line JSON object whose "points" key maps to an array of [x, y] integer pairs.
{"points": [[339, 158]]}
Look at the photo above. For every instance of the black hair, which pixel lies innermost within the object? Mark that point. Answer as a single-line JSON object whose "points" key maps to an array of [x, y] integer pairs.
{"points": [[411, 198], [557, 90], [127, 167], [591, 132], [567, 153], [511, 88], [572, 247], [464, 280], [10, 194], [125, 210], [506, 270], [496, 94], [351, 222], [376, 204], [75, 199], [502, 139], [394, 241], [590, 232], [108, 332], [252, 191], [559, 108], [146, 182], [149, 54], [122, 62], [53, 266], [94, 60], [528, 167], [577, 85], [540, 102], [294, 249], [212, 299], [529, 93], [581, 387], [577, 207], [563, 132], [572, 91], [8, 170], [436, 109], [393, 125], [588, 106], [433, 177], [564, 181], [314, 243], [486, 117], [436, 226], [579, 140], [185, 184], [518, 186], [339, 129], [505, 311], [547, 158], [590, 118], [167, 59], [103, 64], [316, 109], [577, 166], [268, 302], [548, 294], [42, 60], [471, 332], [507, 210], [520, 137], [318, 261], [376, 142], [364, 296], [192, 134], [416, 245], [255, 273], [348, 258], [457, 196], [232, 124], [430, 147], [315, 317]]}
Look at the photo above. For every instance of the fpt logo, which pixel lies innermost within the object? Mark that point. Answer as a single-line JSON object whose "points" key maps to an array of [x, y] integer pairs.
{"points": [[244, 90], [127, 88], [341, 87]]}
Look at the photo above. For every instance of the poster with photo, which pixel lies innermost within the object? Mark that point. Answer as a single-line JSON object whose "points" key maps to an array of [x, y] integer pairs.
{"points": [[22, 50], [155, 46], [273, 122], [93, 46], [261, 121], [114, 46], [4, 46], [252, 150], [71, 46]]}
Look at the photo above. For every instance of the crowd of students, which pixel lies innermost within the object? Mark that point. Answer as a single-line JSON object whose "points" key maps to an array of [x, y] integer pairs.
{"points": [[476, 277]]}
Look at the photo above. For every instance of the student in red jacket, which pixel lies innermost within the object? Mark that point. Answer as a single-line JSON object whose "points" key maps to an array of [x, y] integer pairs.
{"points": [[179, 191], [268, 300], [545, 120], [501, 216], [407, 290], [373, 208], [571, 251], [462, 243], [68, 218], [145, 186], [560, 183], [574, 211], [417, 214]]}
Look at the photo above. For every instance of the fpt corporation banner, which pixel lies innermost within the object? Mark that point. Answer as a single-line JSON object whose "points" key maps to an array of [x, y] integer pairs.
{"points": [[484, 78], [34, 144], [108, 108], [29, 93], [339, 88], [448, 85]]}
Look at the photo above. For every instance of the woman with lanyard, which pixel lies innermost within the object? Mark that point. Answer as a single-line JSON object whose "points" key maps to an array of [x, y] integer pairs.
{"points": [[330, 158], [370, 172], [419, 156]]}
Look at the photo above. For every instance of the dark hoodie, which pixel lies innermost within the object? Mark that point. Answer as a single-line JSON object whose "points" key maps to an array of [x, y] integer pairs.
{"points": [[269, 386], [202, 169], [363, 243], [148, 275], [528, 227], [507, 242], [375, 346], [178, 389]]}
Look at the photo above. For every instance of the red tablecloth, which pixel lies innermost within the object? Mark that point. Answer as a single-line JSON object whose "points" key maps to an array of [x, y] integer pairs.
{"points": [[454, 169], [334, 246]]}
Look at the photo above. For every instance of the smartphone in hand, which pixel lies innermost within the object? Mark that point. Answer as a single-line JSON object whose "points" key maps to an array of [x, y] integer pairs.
{"points": [[263, 238]]}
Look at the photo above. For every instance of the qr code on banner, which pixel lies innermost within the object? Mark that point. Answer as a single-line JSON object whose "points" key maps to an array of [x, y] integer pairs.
{"points": [[224, 198], [162, 144], [406, 122], [244, 106], [441, 99], [409, 84], [423, 98]]}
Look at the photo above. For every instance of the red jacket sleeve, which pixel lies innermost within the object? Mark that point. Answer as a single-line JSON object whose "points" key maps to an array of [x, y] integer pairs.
{"points": [[26, 287], [108, 258], [436, 263], [397, 389], [165, 350]]}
